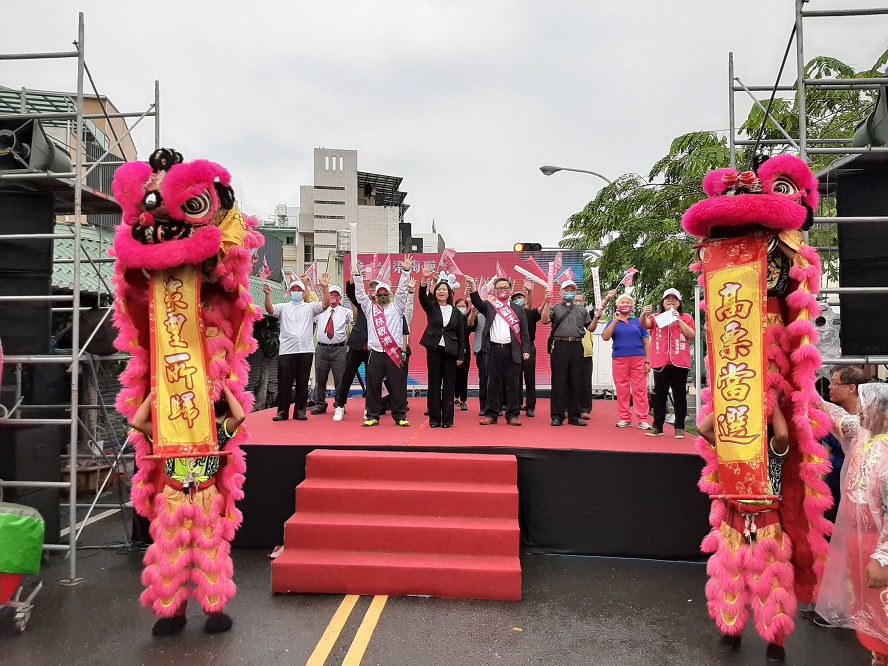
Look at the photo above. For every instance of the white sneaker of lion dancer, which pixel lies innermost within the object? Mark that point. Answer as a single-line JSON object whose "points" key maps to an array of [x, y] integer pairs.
{"points": [[338, 413]]}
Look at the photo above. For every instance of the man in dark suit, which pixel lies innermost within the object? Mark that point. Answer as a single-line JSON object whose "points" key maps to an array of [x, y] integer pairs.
{"points": [[507, 342]]}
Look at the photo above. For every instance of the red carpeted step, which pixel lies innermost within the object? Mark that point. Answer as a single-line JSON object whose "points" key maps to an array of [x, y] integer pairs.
{"points": [[385, 522], [413, 466], [397, 574], [408, 498], [424, 534]]}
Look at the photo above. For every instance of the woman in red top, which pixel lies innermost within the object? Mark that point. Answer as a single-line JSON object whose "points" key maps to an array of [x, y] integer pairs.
{"points": [[670, 359]]}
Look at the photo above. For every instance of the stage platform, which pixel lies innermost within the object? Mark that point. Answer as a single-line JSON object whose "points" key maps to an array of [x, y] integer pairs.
{"points": [[598, 490]]}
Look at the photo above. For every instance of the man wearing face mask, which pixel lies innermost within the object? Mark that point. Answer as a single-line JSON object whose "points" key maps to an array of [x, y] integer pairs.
{"points": [[507, 343], [296, 344], [330, 354], [569, 324], [385, 338], [527, 385]]}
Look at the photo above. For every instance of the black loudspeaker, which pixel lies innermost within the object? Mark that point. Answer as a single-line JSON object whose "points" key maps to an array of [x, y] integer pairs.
{"points": [[26, 269], [24, 146], [33, 453], [864, 259]]}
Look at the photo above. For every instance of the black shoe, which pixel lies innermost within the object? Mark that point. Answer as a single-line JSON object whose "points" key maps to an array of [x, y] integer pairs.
{"points": [[280, 416], [318, 410], [775, 652], [463, 407], [577, 422], [434, 424], [447, 425], [300, 416], [529, 412], [167, 626], [217, 623], [557, 422], [586, 416], [425, 413], [728, 643]]}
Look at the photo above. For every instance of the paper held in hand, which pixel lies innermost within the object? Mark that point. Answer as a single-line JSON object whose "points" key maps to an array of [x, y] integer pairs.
{"points": [[353, 247], [666, 318]]}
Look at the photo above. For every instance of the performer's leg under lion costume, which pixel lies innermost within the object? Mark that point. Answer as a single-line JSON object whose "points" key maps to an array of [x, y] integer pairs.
{"points": [[768, 538], [180, 222]]}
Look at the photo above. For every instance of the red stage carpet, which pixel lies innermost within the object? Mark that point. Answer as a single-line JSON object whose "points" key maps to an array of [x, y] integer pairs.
{"points": [[535, 433], [400, 523]]}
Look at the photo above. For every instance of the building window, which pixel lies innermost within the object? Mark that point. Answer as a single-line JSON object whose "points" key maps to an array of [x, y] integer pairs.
{"points": [[341, 168], [329, 217], [328, 187], [326, 162], [289, 240], [309, 254], [337, 203]]}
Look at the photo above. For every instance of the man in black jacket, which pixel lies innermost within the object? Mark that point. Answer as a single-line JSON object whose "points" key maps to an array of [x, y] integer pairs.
{"points": [[356, 354], [507, 342]]}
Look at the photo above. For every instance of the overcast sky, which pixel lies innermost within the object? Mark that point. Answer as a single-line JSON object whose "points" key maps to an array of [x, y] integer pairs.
{"points": [[464, 100]]}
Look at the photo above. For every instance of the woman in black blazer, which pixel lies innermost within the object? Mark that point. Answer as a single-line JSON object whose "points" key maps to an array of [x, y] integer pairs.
{"points": [[462, 371], [443, 340]]}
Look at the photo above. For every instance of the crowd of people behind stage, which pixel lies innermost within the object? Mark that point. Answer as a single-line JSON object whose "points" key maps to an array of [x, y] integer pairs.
{"points": [[498, 331]]}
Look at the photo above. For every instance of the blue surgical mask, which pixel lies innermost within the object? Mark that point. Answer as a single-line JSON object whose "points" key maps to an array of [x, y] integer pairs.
{"points": [[297, 296], [569, 296], [519, 302]]}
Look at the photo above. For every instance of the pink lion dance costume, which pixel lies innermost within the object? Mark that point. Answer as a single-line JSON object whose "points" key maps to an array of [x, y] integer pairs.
{"points": [[768, 537], [180, 222]]}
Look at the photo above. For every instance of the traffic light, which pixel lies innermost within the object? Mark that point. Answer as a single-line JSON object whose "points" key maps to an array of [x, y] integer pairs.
{"points": [[527, 247]]}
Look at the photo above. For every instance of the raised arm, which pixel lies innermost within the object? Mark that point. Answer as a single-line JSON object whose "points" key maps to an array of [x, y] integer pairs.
{"points": [[411, 300], [401, 291], [324, 283], [546, 309], [141, 420], [269, 306], [361, 294], [646, 320], [237, 415]]}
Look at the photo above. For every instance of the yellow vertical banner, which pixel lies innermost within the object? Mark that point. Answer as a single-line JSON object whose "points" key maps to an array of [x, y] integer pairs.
{"points": [[182, 408], [735, 273]]}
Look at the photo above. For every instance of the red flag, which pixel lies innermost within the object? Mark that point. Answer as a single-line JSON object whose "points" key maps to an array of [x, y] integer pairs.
{"points": [[265, 271], [629, 277], [554, 268], [385, 271], [448, 262], [566, 275], [291, 277], [536, 268], [312, 274], [500, 271], [485, 288]]}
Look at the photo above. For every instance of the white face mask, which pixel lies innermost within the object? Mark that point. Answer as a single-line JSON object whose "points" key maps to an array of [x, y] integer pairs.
{"points": [[463, 310]]}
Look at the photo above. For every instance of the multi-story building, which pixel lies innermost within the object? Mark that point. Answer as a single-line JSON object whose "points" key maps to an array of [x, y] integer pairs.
{"points": [[341, 195]]}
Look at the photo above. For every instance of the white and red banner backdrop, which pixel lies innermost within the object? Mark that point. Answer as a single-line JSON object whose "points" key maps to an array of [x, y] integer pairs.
{"points": [[479, 264]]}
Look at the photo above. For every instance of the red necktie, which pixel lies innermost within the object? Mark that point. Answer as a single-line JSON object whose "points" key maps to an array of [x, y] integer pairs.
{"points": [[329, 328]]}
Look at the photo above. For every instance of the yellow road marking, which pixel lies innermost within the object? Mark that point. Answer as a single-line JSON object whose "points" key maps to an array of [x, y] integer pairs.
{"points": [[331, 633], [365, 632]]}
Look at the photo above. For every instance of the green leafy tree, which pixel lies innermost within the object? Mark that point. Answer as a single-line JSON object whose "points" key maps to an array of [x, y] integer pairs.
{"points": [[637, 219]]}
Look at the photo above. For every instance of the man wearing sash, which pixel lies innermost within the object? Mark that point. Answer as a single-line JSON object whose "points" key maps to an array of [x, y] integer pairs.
{"points": [[506, 341], [385, 339]]}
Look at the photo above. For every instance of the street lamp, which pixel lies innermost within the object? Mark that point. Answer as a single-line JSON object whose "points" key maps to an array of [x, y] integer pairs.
{"points": [[548, 170]]}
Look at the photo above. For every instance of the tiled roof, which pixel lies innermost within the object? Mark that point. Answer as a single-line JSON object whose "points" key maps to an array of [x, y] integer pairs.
{"points": [[95, 243]]}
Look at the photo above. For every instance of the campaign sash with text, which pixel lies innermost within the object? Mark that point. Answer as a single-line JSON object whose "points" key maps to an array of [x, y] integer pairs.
{"points": [[385, 336], [509, 315]]}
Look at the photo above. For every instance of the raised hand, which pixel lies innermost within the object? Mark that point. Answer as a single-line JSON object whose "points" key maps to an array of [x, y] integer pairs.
{"points": [[470, 282], [528, 285], [407, 264], [427, 271], [648, 309], [411, 285], [324, 282], [304, 278], [266, 289], [612, 294]]}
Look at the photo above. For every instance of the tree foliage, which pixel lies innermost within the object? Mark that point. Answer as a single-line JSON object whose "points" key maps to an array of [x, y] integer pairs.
{"points": [[637, 219], [643, 219]]}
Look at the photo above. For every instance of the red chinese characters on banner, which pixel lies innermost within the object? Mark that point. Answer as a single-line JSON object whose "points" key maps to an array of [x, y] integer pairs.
{"points": [[736, 305]]}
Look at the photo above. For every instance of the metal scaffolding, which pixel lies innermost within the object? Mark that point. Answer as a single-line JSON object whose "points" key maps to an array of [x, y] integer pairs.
{"points": [[806, 146], [73, 184]]}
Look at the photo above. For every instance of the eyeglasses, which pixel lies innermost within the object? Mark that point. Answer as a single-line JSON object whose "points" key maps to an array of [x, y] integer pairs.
{"points": [[841, 384]]}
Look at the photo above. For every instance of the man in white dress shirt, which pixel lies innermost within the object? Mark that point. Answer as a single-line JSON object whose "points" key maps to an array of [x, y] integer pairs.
{"points": [[296, 344], [385, 340], [330, 353]]}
